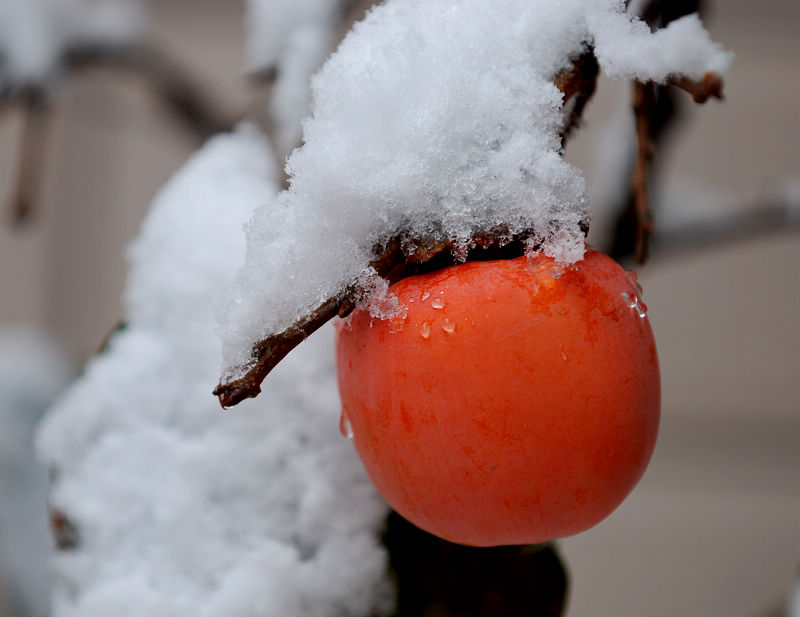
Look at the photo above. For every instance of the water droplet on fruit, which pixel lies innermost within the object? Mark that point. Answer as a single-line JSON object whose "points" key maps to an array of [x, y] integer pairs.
{"points": [[425, 330], [437, 303], [448, 325], [635, 302], [345, 428], [634, 279], [563, 355], [425, 296]]}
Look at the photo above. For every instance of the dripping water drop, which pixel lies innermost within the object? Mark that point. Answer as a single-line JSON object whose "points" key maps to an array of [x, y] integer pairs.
{"points": [[425, 330], [345, 428]]}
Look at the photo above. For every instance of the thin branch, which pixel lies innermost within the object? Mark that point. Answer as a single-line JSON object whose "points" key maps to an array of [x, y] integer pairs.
{"points": [[644, 102], [353, 11], [268, 352], [710, 86], [65, 533], [766, 217], [181, 94], [398, 258], [578, 85], [32, 154], [650, 122]]}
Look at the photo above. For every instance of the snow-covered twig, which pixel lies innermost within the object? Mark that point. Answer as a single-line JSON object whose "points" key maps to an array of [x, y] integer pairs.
{"points": [[576, 83], [163, 506], [398, 258]]}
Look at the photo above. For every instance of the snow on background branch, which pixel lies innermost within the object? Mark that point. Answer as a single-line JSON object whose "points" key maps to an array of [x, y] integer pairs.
{"points": [[438, 119], [35, 34], [291, 38], [182, 510], [32, 373]]}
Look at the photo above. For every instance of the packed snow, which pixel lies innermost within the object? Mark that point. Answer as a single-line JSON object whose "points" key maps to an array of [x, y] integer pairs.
{"points": [[180, 508], [292, 38], [32, 372], [34, 34], [438, 118]]}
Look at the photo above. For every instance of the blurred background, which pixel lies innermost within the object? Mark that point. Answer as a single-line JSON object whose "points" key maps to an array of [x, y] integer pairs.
{"points": [[713, 529]]}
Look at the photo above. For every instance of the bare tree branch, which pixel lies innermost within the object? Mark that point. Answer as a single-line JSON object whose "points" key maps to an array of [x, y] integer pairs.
{"points": [[710, 86], [578, 85], [180, 93], [31, 154], [397, 258], [643, 105], [766, 216]]}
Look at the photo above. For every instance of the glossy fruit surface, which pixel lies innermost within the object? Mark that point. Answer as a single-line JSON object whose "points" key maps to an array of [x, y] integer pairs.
{"points": [[517, 401]]}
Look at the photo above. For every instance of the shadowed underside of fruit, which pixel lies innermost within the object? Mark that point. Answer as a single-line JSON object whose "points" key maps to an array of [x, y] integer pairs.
{"points": [[463, 581]]}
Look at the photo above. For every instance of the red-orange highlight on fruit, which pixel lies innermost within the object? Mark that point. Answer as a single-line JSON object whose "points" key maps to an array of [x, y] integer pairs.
{"points": [[517, 402]]}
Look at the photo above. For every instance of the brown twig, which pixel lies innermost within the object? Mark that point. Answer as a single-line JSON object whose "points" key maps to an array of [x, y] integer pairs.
{"points": [[710, 86], [181, 94], [634, 224], [644, 101], [65, 534], [578, 85], [397, 258], [32, 154], [268, 352], [648, 125], [770, 215]]}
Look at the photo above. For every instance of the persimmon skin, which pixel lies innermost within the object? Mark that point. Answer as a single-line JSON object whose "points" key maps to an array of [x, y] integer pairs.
{"points": [[515, 403]]}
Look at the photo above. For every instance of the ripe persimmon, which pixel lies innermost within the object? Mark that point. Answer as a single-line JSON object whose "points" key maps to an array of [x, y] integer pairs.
{"points": [[516, 402]]}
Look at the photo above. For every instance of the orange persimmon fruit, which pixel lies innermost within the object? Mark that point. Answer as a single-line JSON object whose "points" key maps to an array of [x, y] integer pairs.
{"points": [[516, 402]]}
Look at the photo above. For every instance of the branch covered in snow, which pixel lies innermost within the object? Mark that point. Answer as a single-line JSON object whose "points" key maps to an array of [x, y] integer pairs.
{"points": [[32, 373], [439, 120], [178, 510], [288, 40], [35, 35]]}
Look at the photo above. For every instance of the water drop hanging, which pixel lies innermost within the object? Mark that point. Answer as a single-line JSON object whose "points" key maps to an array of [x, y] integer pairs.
{"points": [[345, 428]]}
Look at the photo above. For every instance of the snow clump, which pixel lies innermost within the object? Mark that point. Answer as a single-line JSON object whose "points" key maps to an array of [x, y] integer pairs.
{"points": [[34, 34], [292, 38], [438, 118], [32, 373], [179, 508]]}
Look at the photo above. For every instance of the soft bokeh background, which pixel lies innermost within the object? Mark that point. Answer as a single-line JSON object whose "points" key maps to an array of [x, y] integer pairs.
{"points": [[714, 527]]}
